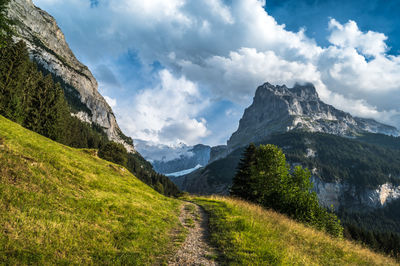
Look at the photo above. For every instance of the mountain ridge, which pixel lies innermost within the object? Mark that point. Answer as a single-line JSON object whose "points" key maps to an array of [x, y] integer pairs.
{"points": [[48, 48]]}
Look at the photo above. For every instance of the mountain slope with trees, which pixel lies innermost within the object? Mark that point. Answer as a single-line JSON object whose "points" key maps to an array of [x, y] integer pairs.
{"points": [[38, 102]]}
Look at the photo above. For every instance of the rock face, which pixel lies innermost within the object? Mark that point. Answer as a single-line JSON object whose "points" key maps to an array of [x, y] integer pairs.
{"points": [[47, 46], [353, 198], [277, 109]]}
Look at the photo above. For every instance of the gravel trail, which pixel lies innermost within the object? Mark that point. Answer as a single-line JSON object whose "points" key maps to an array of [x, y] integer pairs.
{"points": [[195, 250]]}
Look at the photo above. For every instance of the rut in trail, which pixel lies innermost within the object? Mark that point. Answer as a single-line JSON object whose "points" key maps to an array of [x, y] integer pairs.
{"points": [[195, 250]]}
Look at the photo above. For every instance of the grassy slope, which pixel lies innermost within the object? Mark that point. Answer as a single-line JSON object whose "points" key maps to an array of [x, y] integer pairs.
{"points": [[63, 205], [249, 235]]}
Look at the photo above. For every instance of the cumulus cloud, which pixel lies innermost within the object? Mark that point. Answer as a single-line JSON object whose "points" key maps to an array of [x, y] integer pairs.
{"points": [[167, 113], [349, 35], [216, 50], [242, 71], [361, 77]]}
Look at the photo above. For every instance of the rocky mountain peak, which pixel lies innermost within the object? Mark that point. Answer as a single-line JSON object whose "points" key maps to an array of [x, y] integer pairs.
{"points": [[277, 109], [302, 91]]}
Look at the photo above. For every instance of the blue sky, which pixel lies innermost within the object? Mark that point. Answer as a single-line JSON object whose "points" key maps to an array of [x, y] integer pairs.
{"points": [[375, 15], [184, 70]]}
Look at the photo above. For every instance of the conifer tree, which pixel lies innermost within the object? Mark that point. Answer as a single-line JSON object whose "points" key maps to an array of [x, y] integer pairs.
{"points": [[241, 181]]}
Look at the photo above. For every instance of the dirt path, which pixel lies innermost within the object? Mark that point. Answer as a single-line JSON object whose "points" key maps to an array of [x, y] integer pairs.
{"points": [[195, 250]]}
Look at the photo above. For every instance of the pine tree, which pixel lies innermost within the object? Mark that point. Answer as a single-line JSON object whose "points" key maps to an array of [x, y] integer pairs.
{"points": [[241, 182]]}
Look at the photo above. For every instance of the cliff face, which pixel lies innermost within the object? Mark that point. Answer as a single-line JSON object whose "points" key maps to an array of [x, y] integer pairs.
{"points": [[353, 198], [277, 109], [47, 46]]}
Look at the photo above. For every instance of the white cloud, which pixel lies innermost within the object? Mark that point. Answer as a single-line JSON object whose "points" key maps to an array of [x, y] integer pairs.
{"points": [[226, 49], [239, 74], [168, 113], [349, 35]]}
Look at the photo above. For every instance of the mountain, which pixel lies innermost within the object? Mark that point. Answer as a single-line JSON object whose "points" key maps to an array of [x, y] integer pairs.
{"points": [[48, 48], [346, 172], [278, 109], [354, 162], [308, 130], [173, 159]]}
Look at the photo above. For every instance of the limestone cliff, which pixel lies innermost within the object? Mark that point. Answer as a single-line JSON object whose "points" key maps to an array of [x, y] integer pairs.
{"points": [[353, 198], [47, 46]]}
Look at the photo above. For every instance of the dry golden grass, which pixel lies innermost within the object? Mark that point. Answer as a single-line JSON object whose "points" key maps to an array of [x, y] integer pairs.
{"points": [[249, 234]]}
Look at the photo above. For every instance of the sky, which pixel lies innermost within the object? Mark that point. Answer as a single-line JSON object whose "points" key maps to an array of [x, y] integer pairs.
{"points": [[184, 70]]}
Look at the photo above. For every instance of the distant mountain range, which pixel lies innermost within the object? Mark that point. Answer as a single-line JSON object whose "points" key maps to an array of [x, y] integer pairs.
{"points": [[177, 160]]}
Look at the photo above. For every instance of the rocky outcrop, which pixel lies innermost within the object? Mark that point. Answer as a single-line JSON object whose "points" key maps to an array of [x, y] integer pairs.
{"points": [[277, 109], [47, 46], [352, 197]]}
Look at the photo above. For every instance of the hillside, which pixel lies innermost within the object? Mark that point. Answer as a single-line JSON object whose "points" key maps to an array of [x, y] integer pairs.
{"points": [[246, 234], [65, 205]]}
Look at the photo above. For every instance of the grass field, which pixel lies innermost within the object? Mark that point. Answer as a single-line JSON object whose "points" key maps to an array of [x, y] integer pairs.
{"points": [[246, 234], [60, 205]]}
